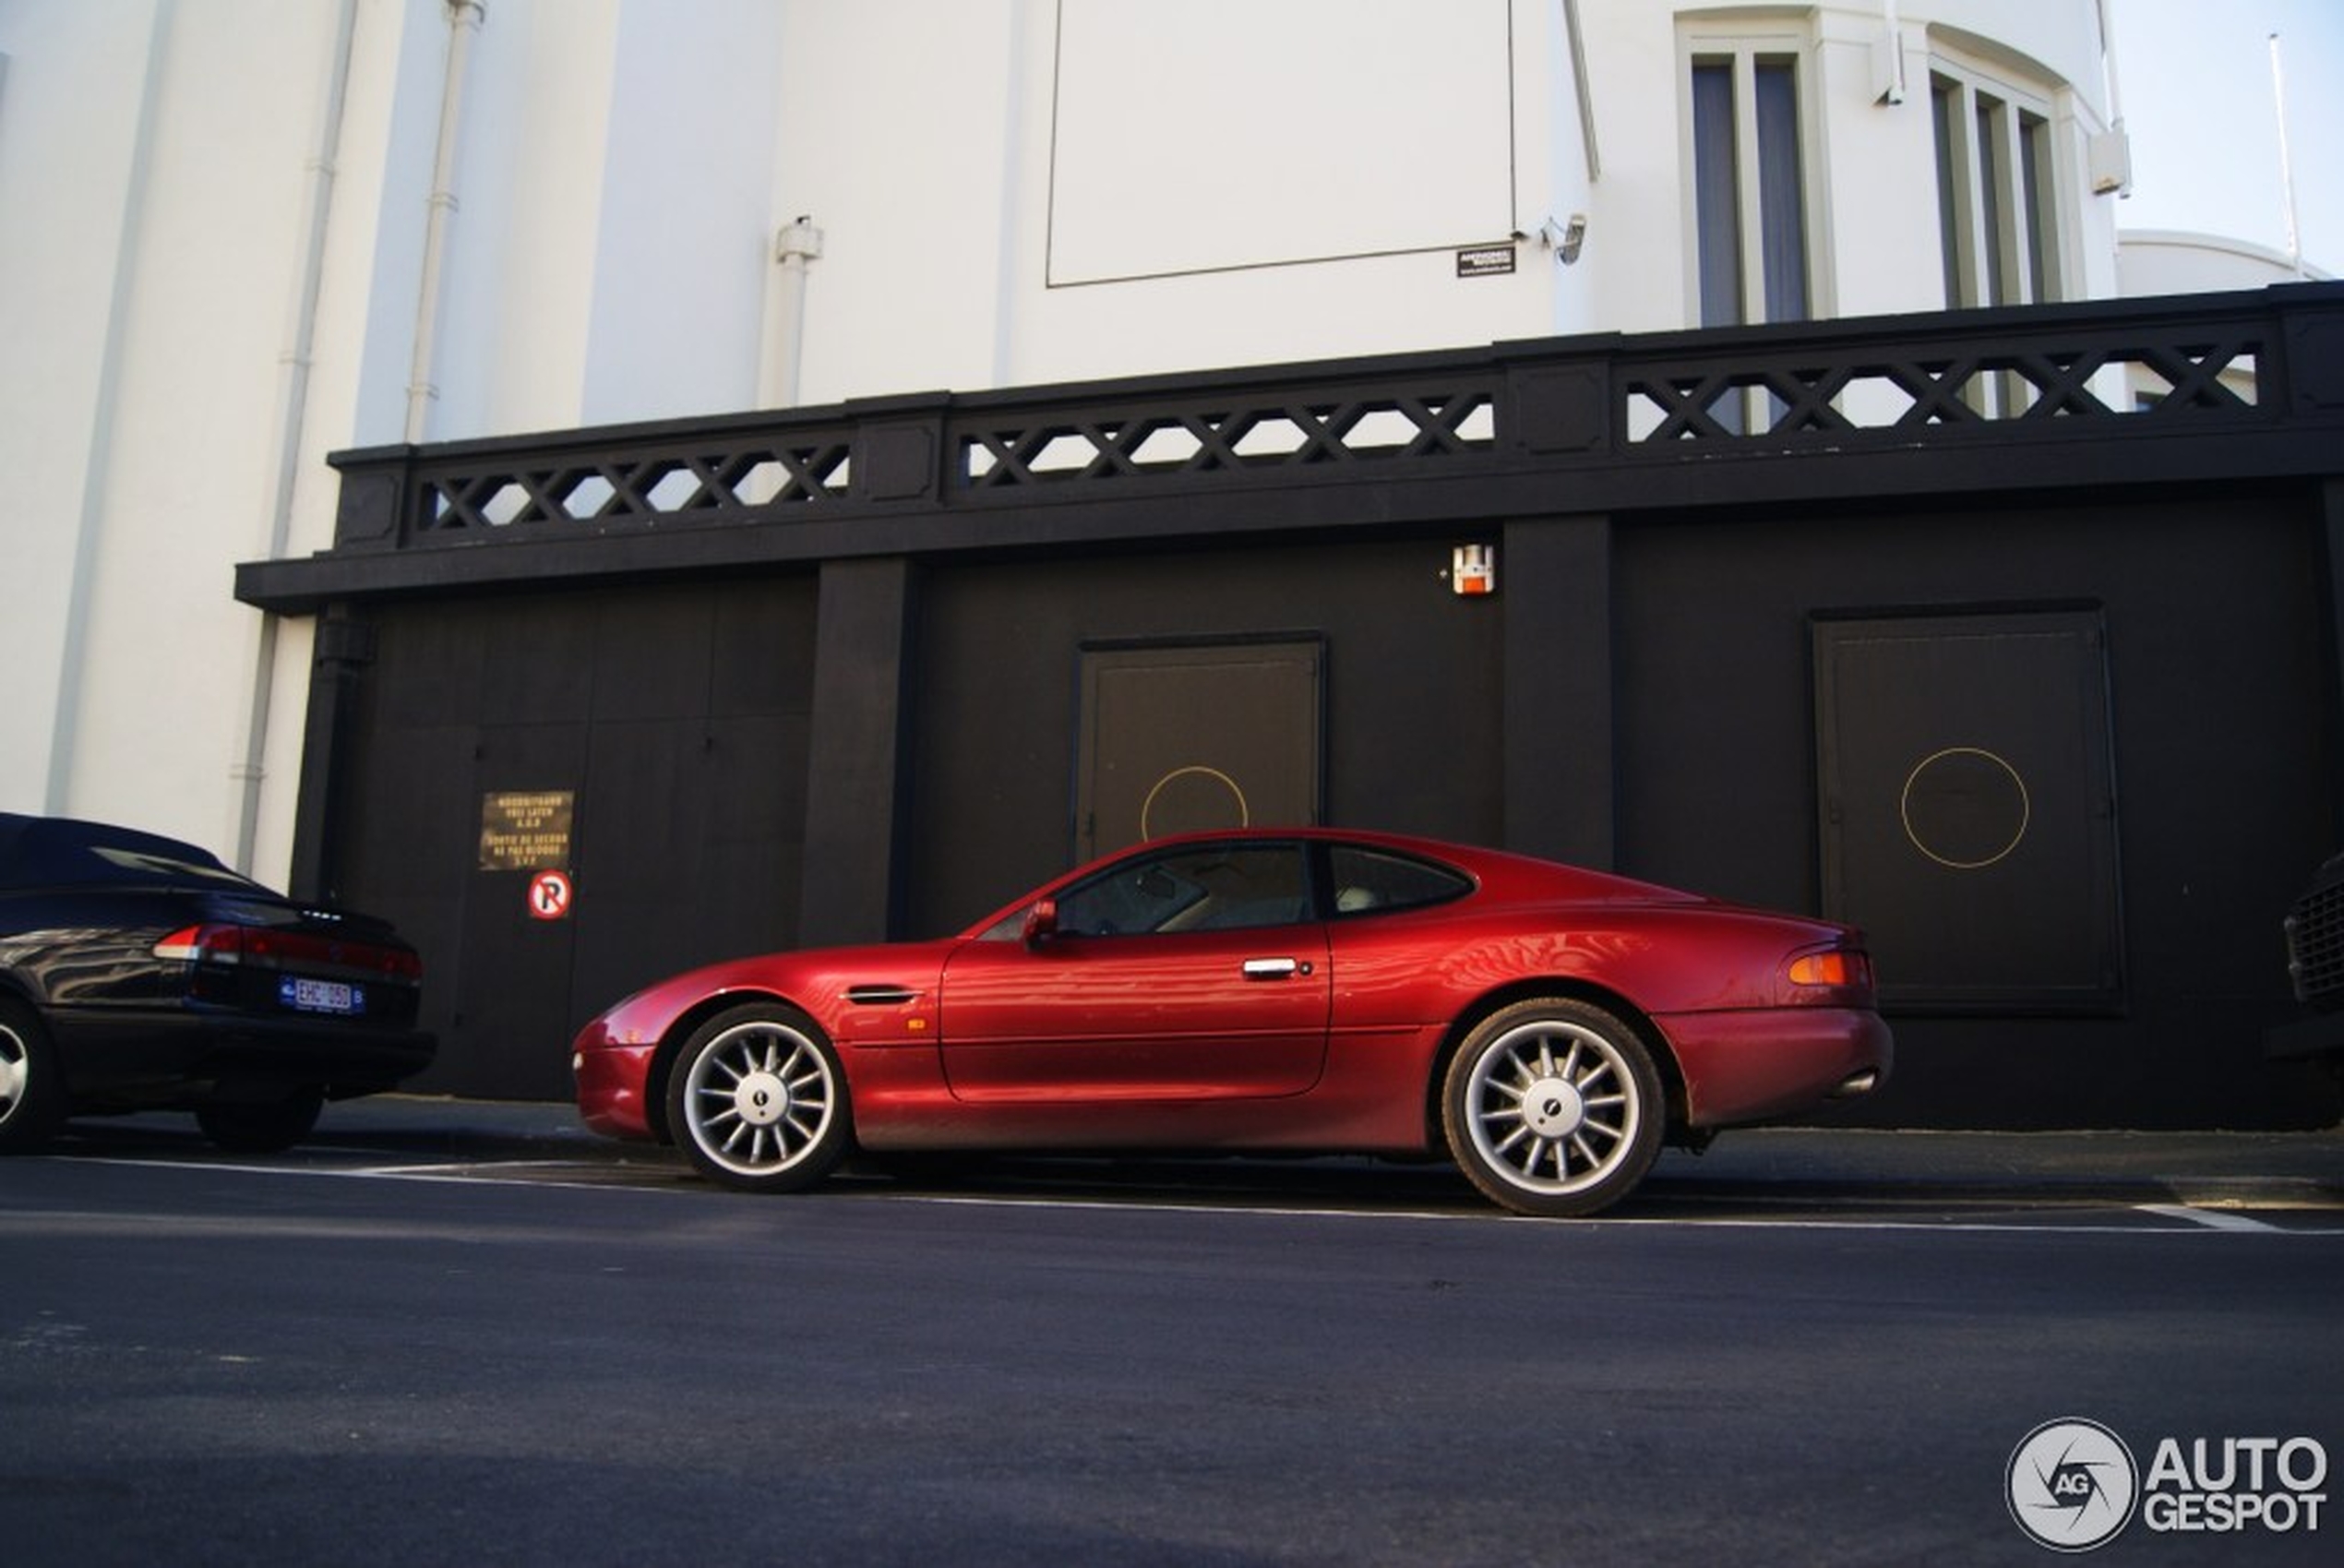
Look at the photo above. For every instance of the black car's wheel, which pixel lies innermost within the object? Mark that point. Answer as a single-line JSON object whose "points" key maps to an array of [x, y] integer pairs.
{"points": [[32, 1094], [1553, 1107], [260, 1127], [759, 1101]]}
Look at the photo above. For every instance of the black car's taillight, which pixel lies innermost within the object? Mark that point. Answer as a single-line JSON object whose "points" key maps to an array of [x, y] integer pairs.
{"points": [[209, 945]]}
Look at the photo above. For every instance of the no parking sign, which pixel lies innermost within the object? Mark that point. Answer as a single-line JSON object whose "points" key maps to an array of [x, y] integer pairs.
{"points": [[549, 896]]}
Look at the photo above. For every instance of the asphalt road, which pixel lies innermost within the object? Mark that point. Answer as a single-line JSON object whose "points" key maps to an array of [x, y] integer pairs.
{"points": [[452, 1334]]}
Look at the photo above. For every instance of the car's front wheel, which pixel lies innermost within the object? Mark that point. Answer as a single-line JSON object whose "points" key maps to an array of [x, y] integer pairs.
{"points": [[1553, 1107], [758, 1100], [32, 1094]]}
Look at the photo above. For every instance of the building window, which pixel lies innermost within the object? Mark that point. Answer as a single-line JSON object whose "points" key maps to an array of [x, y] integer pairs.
{"points": [[1997, 216], [1750, 207]]}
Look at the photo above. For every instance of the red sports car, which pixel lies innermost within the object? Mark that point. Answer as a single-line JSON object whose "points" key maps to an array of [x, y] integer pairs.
{"points": [[1296, 990]]}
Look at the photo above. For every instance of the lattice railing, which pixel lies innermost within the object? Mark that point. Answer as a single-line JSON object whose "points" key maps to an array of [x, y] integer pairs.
{"points": [[1729, 402], [753, 479], [1591, 407], [1295, 432]]}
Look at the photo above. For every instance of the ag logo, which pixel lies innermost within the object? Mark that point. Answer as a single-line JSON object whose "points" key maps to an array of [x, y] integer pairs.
{"points": [[2072, 1484]]}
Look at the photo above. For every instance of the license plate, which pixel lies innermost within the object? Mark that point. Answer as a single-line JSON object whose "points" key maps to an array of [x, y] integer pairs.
{"points": [[320, 996]]}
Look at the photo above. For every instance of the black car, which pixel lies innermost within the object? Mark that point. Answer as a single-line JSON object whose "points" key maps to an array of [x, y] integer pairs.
{"points": [[138, 972], [2314, 933]]}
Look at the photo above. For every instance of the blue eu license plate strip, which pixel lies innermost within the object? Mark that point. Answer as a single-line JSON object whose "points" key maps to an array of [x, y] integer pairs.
{"points": [[321, 996]]}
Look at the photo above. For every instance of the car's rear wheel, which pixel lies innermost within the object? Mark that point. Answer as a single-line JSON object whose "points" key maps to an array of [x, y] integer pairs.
{"points": [[260, 1127], [758, 1100], [32, 1094], [1553, 1107]]}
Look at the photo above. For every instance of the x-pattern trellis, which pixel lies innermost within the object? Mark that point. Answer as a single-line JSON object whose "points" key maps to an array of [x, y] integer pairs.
{"points": [[1956, 377], [1288, 433], [650, 485], [1726, 403]]}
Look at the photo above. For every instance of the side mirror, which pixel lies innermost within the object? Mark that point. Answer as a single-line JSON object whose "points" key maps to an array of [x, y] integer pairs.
{"points": [[1041, 922]]}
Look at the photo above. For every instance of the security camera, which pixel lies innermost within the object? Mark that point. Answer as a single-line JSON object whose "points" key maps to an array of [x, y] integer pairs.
{"points": [[1564, 236]]}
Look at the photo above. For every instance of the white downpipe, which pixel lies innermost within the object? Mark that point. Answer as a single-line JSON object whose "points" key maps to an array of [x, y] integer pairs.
{"points": [[1888, 79], [464, 19], [1583, 88], [2286, 163], [64, 726], [2109, 74], [291, 415], [797, 243]]}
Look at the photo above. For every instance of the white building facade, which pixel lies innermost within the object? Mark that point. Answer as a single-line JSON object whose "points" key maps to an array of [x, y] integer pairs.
{"points": [[236, 235]]}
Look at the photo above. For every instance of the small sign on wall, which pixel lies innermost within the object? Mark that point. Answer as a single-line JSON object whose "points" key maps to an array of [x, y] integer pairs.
{"points": [[550, 894], [523, 830], [1485, 261]]}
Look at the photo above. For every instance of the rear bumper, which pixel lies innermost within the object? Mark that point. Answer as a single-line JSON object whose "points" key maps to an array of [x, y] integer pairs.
{"points": [[164, 1056], [1751, 1066]]}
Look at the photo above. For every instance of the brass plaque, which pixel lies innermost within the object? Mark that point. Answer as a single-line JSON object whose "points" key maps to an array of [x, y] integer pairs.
{"points": [[525, 830]]}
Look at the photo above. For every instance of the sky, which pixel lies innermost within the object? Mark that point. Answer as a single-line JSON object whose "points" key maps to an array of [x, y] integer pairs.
{"points": [[2194, 83]]}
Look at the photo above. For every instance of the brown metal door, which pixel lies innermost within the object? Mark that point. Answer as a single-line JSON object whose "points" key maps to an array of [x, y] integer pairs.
{"points": [[1179, 738], [1969, 808]]}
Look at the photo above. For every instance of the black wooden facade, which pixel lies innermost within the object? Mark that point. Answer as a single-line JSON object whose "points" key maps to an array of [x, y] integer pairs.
{"points": [[2011, 635]]}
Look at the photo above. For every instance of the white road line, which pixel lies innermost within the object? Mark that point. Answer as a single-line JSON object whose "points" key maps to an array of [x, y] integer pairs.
{"points": [[2214, 1219], [1616, 1222], [2197, 1221], [462, 1173]]}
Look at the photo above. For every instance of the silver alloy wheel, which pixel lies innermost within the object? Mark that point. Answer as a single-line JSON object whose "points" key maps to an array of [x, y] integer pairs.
{"points": [[1554, 1108], [16, 1072], [757, 1099], [31, 1091]]}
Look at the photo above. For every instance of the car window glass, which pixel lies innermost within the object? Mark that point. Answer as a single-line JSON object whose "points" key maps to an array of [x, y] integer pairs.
{"points": [[1371, 882], [1208, 888]]}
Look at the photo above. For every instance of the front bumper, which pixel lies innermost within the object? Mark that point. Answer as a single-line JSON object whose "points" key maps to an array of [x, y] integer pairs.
{"points": [[2320, 1034], [614, 1095]]}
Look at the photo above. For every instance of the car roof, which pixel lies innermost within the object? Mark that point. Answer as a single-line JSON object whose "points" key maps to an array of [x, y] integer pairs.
{"points": [[65, 851], [1500, 874]]}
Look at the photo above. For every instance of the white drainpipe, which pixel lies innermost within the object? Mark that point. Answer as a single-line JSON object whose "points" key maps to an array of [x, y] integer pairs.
{"points": [[65, 733], [1582, 88], [796, 244], [464, 19], [292, 412]]}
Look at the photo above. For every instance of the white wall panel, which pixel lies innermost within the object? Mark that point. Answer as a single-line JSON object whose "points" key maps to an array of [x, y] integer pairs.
{"points": [[1221, 134]]}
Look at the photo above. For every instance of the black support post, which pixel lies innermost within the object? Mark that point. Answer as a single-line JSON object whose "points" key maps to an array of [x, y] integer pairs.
{"points": [[344, 647], [856, 769], [2331, 504], [1556, 574]]}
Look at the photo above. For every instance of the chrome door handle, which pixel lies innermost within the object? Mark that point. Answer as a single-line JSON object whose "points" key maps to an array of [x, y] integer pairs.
{"points": [[1274, 968]]}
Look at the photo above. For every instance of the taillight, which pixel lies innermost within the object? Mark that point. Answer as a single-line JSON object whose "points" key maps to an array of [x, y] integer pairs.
{"points": [[1823, 969], [277, 949], [202, 944], [1831, 969]]}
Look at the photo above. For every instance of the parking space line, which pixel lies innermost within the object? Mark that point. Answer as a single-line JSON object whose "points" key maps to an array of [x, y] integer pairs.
{"points": [[2214, 1219], [1612, 1222], [2182, 1219], [473, 1171]]}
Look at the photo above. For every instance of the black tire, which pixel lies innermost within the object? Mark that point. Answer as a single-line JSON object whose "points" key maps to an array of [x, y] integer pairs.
{"points": [[32, 1093], [758, 1100], [260, 1127], [1553, 1107]]}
